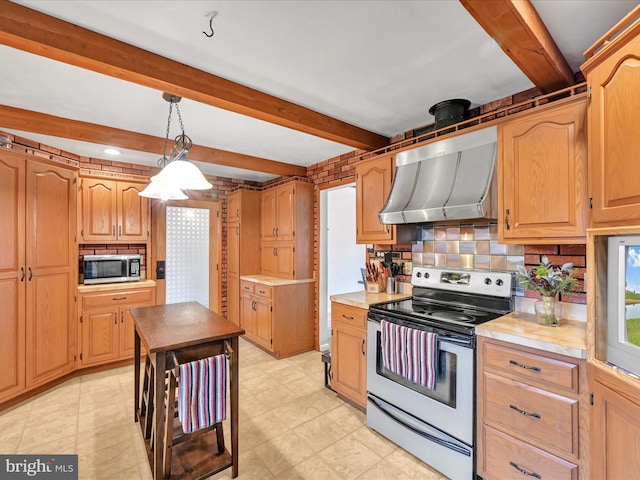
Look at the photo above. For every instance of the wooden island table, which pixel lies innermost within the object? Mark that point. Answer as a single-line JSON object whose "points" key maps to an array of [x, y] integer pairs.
{"points": [[184, 328]]}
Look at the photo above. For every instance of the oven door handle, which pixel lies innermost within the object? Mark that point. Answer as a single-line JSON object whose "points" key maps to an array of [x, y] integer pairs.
{"points": [[450, 445]]}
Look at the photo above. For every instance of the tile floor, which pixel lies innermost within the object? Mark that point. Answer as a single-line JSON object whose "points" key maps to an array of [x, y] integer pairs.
{"points": [[291, 427]]}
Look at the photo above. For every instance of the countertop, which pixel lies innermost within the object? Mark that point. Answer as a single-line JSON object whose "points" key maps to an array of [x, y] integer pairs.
{"points": [[102, 287], [569, 338], [274, 281], [364, 299]]}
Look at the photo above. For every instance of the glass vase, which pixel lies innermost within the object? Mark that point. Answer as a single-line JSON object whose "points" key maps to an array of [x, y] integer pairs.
{"points": [[548, 311]]}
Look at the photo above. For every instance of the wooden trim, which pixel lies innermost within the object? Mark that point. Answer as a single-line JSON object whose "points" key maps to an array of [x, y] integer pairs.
{"points": [[50, 37], [613, 32], [516, 26], [29, 121]]}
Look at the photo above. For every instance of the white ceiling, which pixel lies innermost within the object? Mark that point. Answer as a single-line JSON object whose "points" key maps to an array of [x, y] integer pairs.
{"points": [[376, 64]]}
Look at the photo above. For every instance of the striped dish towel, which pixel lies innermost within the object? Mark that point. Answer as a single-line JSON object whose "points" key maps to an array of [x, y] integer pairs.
{"points": [[202, 393], [410, 353]]}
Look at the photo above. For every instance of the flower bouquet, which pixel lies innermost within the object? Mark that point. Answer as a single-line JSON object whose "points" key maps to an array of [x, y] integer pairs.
{"points": [[549, 281]]}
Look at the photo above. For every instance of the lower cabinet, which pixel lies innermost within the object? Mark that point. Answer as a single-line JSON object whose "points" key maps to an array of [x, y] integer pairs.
{"points": [[348, 353], [278, 317], [531, 413], [106, 326]]}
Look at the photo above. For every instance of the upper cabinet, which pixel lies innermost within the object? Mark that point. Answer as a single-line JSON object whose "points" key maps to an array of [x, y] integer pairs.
{"points": [[542, 175], [287, 231], [373, 184], [112, 211], [613, 78]]}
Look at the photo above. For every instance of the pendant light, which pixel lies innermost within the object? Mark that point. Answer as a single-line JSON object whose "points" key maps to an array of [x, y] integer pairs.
{"points": [[155, 190], [178, 172]]}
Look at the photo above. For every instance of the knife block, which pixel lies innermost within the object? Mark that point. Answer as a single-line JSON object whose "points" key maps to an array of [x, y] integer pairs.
{"points": [[376, 287]]}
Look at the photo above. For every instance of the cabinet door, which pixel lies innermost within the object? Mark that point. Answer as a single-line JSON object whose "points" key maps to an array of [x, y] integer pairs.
{"points": [[373, 184], [262, 310], [349, 363], [285, 212], [615, 438], [247, 315], [233, 248], [99, 210], [269, 260], [12, 275], [132, 213], [100, 335], [233, 299], [614, 144], [52, 259], [285, 260], [543, 175], [268, 207], [233, 207]]}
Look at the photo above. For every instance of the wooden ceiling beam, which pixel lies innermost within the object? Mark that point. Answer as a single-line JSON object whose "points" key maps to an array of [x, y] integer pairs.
{"points": [[34, 122], [516, 26], [31, 31]]}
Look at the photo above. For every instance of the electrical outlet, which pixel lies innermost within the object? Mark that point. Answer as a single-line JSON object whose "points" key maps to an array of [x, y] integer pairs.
{"points": [[407, 268]]}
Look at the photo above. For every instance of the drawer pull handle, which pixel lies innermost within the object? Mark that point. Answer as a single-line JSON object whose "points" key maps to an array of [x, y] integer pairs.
{"points": [[262, 291], [115, 299], [526, 367], [524, 472], [522, 412], [347, 317]]}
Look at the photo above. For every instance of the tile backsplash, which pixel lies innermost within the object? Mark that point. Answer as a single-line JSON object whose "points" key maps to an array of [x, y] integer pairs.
{"points": [[465, 246]]}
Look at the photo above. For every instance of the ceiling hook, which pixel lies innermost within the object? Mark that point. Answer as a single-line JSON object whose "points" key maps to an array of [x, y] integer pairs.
{"points": [[211, 16]]}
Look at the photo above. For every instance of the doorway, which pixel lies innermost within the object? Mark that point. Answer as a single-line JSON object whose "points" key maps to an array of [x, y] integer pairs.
{"points": [[188, 237], [340, 257]]}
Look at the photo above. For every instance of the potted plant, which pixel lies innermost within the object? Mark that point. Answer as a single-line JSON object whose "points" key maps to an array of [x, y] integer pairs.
{"points": [[549, 281]]}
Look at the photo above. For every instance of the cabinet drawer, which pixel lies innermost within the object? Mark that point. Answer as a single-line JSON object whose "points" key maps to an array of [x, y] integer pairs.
{"points": [[118, 297], [262, 290], [246, 287], [530, 366], [531, 412], [348, 315], [504, 455]]}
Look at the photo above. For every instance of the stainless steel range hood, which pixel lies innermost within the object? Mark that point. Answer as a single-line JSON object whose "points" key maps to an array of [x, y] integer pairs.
{"points": [[452, 179]]}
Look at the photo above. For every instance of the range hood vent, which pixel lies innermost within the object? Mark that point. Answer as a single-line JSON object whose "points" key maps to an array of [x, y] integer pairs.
{"points": [[452, 179]]}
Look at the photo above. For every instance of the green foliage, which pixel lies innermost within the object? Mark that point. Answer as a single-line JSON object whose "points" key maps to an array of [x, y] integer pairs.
{"points": [[633, 331], [547, 279]]}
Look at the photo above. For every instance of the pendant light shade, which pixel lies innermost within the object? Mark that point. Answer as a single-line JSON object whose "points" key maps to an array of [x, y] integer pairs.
{"points": [[182, 174], [155, 190], [177, 172]]}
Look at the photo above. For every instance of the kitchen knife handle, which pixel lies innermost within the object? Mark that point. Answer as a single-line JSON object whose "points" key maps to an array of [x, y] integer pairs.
{"points": [[506, 219], [523, 471]]}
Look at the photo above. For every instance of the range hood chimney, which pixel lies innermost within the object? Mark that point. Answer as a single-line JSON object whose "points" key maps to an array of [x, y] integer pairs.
{"points": [[451, 179]]}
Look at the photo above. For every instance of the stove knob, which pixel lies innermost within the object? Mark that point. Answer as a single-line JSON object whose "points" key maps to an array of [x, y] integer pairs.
{"points": [[499, 282], [426, 274], [418, 274], [487, 281]]}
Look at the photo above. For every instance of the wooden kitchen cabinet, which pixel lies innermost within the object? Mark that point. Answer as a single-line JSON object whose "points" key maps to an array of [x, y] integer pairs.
{"points": [[243, 237], [613, 80], [286, 248], [531, 413], [38, 272], [348, 353], [279, 318], [373, 183], [106, 326], [112, 211], [542, 175]]}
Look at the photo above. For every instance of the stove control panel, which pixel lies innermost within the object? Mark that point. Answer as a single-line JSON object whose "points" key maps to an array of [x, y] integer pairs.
{"points": [[481, 282]]}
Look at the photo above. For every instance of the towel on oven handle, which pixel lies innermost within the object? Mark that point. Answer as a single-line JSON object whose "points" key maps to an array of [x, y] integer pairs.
{"points": [[410, 353]]}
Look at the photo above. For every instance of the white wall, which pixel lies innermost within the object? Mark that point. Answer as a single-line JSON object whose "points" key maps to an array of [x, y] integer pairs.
{"points": [[340, 257]]}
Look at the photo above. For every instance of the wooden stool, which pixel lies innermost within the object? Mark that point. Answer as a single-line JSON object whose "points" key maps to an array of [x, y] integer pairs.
{"points": [[174, 434]]}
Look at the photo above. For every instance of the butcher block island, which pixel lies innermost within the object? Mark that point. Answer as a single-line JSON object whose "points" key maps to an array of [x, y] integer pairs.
{"points": [[277, 314], [533, 399]]}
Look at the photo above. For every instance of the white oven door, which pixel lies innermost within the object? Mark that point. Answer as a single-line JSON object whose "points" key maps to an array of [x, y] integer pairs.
{"points": [[448, 408]]}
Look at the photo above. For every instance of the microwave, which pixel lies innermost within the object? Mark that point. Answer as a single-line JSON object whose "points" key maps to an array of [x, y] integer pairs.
{"points": [[110, 268]]}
